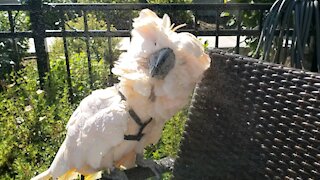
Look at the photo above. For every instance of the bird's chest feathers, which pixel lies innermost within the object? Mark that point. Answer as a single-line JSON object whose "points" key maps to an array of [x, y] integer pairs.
{"points": [[157, 100], [147, 111], [142, 117]]}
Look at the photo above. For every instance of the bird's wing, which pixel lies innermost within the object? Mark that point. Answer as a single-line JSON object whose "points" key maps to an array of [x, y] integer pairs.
{"points": [[98, 124], [97, 100], [103, 131]]}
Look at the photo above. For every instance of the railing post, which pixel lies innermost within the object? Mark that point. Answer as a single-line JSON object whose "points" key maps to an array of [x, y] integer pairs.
{"points": [[38, 30]]}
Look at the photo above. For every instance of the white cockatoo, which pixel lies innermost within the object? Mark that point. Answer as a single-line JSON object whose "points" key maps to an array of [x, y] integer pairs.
{"points": [[112, 126]]}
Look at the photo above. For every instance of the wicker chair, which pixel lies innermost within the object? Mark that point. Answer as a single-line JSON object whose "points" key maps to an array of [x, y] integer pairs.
{"points": [[252, 120]]}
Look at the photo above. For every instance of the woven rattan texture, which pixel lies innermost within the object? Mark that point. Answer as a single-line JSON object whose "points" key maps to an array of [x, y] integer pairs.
{"points": [[252, 120]]}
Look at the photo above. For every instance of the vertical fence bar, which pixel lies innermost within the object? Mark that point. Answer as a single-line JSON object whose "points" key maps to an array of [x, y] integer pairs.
{"points": [[15, 53], [39, 35], [239, 19], [105, 60], [109, 58], [195, 25], [217, 28], [66, 54], [85, 20], [130, 27]]}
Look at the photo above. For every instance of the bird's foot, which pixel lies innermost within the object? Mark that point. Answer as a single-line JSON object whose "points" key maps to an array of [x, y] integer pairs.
{"points": [[148, 163], [115, 174]]}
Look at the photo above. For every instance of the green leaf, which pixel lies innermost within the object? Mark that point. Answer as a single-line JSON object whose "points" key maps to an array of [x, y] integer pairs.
{"points": [[225, 14]]}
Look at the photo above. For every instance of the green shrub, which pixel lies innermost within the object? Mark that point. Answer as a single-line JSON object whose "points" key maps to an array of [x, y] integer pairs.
{"points": [[12, 50], [31, 124], [171, 137], [250, 20]]}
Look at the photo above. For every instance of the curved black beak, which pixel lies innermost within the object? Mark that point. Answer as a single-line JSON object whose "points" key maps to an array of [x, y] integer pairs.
{"points": [[161, 62]]}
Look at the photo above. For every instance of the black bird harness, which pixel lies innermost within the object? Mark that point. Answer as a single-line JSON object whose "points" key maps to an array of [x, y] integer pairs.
{"points": [[137, 119]]}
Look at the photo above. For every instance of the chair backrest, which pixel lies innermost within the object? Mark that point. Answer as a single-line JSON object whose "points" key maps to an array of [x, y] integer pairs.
{"points": [[252, 120]]}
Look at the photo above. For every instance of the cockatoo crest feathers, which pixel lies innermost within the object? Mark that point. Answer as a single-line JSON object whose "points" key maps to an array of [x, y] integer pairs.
{"points": [[148, 17], [177, 27], [166, 23]]}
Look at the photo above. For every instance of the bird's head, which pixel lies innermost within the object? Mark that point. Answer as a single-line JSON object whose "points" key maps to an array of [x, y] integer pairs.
{"points": [[158, 54]]}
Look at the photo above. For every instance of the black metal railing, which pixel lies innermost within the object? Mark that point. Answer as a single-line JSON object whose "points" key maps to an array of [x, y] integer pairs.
{"points": [[39, 30]]}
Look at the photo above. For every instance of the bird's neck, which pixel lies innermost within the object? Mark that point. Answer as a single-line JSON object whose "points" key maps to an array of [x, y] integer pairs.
{"points": [[147, 104]]}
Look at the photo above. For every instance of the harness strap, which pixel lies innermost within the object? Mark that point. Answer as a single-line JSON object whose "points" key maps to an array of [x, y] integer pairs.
{"points": [[120, 93], [136, 119], [139, 135]]}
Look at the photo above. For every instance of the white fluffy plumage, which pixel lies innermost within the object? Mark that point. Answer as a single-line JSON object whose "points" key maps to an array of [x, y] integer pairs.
{"points": [[96, 130]]}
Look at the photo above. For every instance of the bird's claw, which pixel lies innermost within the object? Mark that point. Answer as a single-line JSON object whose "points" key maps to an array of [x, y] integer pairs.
{"points": [[116, 174], [148, 163]]}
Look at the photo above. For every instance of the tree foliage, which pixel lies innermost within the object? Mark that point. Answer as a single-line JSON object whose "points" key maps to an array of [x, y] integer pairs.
{"points": [[98, 46], [250, 20]]}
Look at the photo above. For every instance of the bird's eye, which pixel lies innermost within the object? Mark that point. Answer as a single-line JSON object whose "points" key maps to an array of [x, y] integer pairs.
{"points": [[155, 43]]}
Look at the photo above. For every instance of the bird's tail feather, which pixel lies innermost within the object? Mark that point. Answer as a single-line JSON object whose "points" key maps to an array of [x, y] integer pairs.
{"points": [[93, 176], [60, 167], [69, 175], [46, 175]]}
